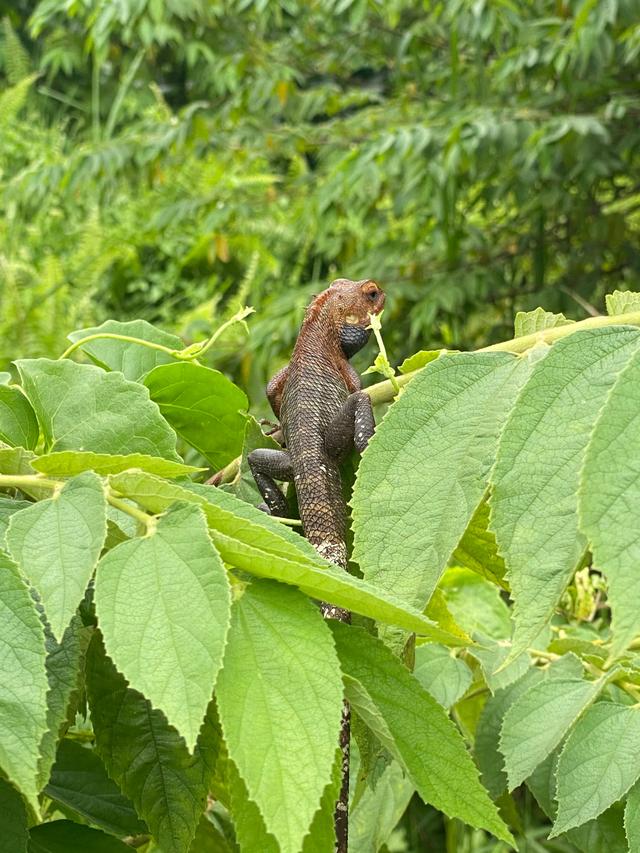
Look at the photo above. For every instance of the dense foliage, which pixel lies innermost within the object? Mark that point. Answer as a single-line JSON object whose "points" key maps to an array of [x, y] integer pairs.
{"points": [[167, 682], [171, 160]]}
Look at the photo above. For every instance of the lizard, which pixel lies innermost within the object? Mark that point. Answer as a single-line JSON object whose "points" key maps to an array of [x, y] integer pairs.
{"points": [[323, 413]]}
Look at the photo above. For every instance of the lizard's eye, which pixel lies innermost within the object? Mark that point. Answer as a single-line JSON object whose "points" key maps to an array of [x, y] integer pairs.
{"points": [[372, 295]]}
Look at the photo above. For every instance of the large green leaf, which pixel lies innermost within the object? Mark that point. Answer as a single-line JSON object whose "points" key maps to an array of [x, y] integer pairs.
{"points": [[63, 665], [539, 719], [146, 757], [163, 605], [257, 543], [57, 543], [81, 407], [23, 682], [204, 407], [285, 748], [18, 422], [407, 516], [610, 501], [430, 746], [134, 360], [598, 765], [14, 834], [604, 834], [65, 836], [534, 501], [68, 463], [79, 781]]}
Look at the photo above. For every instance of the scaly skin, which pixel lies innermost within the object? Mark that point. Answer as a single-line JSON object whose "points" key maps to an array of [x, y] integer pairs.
{"points": [[323, 414]]}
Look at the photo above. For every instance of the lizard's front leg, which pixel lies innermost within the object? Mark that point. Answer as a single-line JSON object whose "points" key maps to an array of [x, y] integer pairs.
{"points": [[353, 426], [267, 466]]}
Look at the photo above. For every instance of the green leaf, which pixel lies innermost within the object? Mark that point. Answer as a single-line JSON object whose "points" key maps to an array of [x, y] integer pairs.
{"points": [[163, 605], [79, 781], [134, 360], [599, 763], [23, 682], [146, 757], [407, 517], [18, 422], [444, 676], [65, 836], [14, 834], [477, 550], [536, 476], [57, 543], [63, 666], [431, 747], [538, 720], [253, 541], [609, 499], [488, 757], [377, 812], [81, 407], [604, 834], [7, 508], [284, 748], [68, 463], [420, 359], [204, 407], [632, 817], [622, 302], [528, 322]]}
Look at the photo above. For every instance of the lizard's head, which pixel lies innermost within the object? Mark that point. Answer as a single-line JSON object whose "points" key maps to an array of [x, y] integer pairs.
{"points": [[354, 300]]}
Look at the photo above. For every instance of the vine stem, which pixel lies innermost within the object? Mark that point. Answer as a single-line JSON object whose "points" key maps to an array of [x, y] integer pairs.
{"points": [[18, 481], [189, 353]]}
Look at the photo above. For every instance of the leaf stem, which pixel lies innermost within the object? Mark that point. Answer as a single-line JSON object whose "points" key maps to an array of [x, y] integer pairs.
{"points": [[238, 317], [149, 521], [189, 353], [17, 481], [114, 337]]}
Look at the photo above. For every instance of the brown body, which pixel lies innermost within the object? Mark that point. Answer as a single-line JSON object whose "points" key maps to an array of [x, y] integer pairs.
{"points": [[323, 414], [311, 396]]}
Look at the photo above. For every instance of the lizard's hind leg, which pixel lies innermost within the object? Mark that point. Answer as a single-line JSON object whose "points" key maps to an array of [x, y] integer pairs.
{"points": [[267, 466], [353, 426]]}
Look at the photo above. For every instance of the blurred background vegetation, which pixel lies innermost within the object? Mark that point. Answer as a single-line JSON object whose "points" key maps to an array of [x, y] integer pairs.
{"points": [[171, 159], [176, 159]]}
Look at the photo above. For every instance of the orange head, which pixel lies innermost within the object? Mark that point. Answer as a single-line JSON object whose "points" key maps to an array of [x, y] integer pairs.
{"points": [[353, 301]]}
